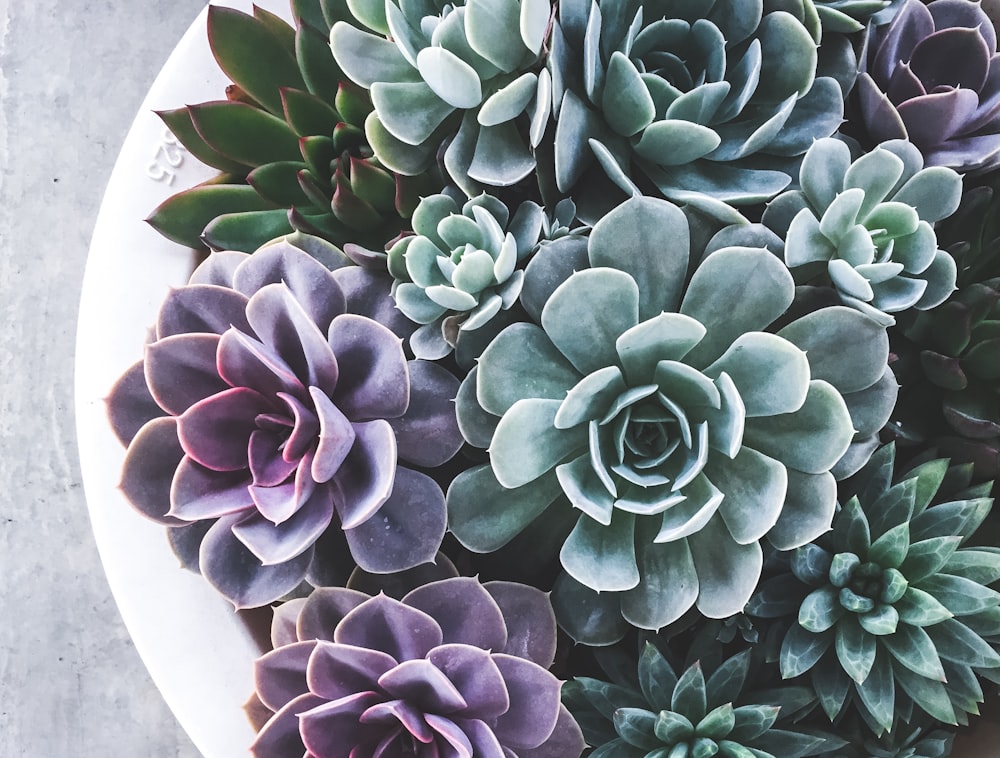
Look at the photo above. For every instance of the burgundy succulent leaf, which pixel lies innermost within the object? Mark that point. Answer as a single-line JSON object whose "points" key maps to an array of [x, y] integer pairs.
{"points": [[271, 410], [932, 77], [438, 673]]}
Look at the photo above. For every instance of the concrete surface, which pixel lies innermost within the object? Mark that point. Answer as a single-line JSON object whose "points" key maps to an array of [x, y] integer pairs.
{"points": [[72, 75]]}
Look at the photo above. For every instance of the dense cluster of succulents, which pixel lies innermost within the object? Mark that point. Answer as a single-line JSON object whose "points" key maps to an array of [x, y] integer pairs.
{"points": [[454, 668], [606, 303]]}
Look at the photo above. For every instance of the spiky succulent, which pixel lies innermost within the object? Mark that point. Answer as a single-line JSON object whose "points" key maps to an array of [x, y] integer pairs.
{"points": [[289, 140], [866, 226], [888, 606], [467, 73], [919, 738], [929, 78], [701, 712], [711, 102], [679, 426], [462, 266], [266, 411], [454, 668]]}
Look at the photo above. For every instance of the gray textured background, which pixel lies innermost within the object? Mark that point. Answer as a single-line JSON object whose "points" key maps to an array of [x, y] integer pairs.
{"points": [[72, 75]]}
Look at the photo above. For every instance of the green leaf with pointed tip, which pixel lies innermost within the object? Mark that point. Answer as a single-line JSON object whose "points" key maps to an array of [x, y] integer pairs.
{"points": [[689, 698], [676, 143], [484, 516], [319, 70], [602, 557], [409, 111], [956, 642], [889, 550], [520, 363], [508, 102], [626, 103], [500, 156], [751, 721], [753, 487], [367, 58], [727, 572], [918, 608], [588, 312], [309, 12], [820, 610], [771, 374], [656, 677], [823, 168], [855, 650], [783, 38], [246, 231], [668, 585], [414, 303], [875, 174], [647, 238], [718, 723], [961, 596], [183, 217], [591, 397], [588, 617], [877, 692], [831, 684], [483, 21], [279, 183], [395, 154], [179, 122], [726, 683], [672, 727], [239, 42], [934, 192], [911, 646], [927, 557], [882, 621], [927, 694], [801, 649], [308, 114], [960, 518], [452, 79], [245, 134], [371, 13], [981, 565], [810, 503], [635, 725], [767, 290], [527, 444]]}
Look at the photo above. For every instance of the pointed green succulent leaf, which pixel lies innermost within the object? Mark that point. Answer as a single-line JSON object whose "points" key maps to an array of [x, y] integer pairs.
{"points": [[484, 516], [371, 13], [179, 122], [981, 564], [367, 58], [934, 193], [656, 677], [184, 216], [956, 642], [820, 610], [931, 696], [635, 725], [676, 143], [727, 571], [409, 111], [927, 557], [588, 617], [527, 444], [855, 650], [320, 71], [753, 487], [823, 169], [782, 37], [668, 587], [246, 231], [890, 549], [602, 557], [919, 608], [771, 374], [911, 647], [800, 650], [807, 513], [878, 692], [245, 134], [961, 596]]}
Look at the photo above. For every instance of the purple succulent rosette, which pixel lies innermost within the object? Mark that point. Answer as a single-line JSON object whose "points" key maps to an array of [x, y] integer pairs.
{"points": [[932, 77], [266, 405], [455, 669]]}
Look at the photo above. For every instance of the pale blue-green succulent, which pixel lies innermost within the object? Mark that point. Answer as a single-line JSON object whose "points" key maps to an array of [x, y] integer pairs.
{"points": [[467, 71], [667, 422], [712, 102], [866, 226], [461, 267], [890, 611]]}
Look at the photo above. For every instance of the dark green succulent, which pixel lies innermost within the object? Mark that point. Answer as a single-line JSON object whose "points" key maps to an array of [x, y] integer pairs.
{"points": [[866, 227], [919, 738], [709, 103], [468, 73], [704, 711], [888, 606], [289, 140], [669, 428]]}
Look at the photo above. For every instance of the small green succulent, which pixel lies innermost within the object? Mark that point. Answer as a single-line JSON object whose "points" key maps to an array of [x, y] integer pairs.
{"points": [[888, 605], [669, 427], [921, 737], [702, 712], [289, 141], [694, 99], [468, 72], [461, 266], [866, 226]]}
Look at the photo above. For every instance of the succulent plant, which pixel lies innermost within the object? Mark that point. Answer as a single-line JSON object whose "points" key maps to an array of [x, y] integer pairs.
{"points": [[866, 226], [468, 73], [289, 140], [455, 668], [928, 78], [837, 16], [701, 712], [461, 266], [278, 409], [888, 605], [703, 100], [920, 738], [680, 428]]}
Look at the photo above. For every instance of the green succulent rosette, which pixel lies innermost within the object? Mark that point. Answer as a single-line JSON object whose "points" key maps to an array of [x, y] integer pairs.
{"points": [[709, 103], [461, 268], [891, 613], [469, 73], [866, 227], [705, 710], [289, 142], [920, 737], [664, 426]]}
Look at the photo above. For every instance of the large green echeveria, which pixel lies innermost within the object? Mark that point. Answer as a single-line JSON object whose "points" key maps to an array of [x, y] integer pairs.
{"points": [[460, 268], [713, 102], [438, 70], [866, 226], [889, 606], [678, 426]]}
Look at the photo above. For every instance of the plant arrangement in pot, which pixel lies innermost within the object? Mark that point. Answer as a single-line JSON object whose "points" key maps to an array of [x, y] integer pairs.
{"points": [[610, 379]]}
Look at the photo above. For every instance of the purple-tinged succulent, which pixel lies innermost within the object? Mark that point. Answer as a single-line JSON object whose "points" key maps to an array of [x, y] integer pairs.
{"points": [[933, 77], [279, 407], [455, 669]]}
